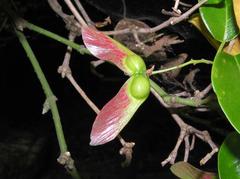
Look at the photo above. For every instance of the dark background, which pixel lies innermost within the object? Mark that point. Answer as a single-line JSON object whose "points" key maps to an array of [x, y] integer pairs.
{"points": [[28, 144]]}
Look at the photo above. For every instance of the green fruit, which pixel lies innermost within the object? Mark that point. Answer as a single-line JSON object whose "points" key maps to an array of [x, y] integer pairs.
{"points": [[140, 86], [135, 64]]}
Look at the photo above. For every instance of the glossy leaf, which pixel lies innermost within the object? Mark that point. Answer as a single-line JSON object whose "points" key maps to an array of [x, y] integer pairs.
{"points": [[219, 20], [185, 170], [106, 48], [236, 6], [226, 84], [198, 23], [229, 157], [118, 111], [214, 1]]}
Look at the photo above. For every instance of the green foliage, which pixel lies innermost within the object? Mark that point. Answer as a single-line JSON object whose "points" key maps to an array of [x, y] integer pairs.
{"points": [[226, 84], [219, 20], [229, 157], [214, 1]]}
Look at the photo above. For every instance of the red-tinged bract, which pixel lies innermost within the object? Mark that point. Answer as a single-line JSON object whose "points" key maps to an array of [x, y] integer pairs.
{"points": [[103, 47], [115, 115], [107, 123]]}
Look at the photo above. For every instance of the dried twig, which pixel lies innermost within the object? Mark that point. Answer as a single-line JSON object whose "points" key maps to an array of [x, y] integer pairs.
{"points": [[184, 4], [170, 21], [126, 150], [203, 93], [83, 12], [170, 13], [185, 131], [75, 13], [65, 70], [175, 8], [71, 24]]}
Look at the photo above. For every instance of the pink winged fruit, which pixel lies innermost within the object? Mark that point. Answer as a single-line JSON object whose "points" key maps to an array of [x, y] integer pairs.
{"points": [[119, 110]]}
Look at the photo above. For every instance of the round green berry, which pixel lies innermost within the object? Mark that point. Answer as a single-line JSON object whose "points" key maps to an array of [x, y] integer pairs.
{"points": [[135, 64], [140, 86]]}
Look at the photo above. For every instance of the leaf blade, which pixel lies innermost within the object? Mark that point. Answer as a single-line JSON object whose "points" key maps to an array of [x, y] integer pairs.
{"points": [[219, 20], [229, 157], [225, 79]]}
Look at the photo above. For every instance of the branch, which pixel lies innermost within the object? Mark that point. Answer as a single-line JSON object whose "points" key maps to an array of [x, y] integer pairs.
{"points": [[185, 131], [68, 162], [21, 24], [191, 62], [170, 21], [75, 13], [83, 12], [172, 100], [71, 24]]}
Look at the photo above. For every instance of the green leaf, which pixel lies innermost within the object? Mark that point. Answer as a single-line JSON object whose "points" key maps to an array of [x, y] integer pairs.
{"points": [[229, 157], [226, 84], [185, 170], [219, 20], [213, 1]]}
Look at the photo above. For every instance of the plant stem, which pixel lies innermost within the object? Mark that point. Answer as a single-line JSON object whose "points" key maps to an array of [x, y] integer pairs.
{"points": [[49, 95], [193, 62], [80, 48], [175, 99]]}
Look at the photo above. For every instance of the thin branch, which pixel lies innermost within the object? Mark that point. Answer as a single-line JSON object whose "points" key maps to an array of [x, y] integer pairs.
{"points": [[21, 24], [75, 12], [191, 62], [71, 23], [83, 94], [126, 150], [83, 12], [172, 99], [175, 8], [64, 68], [170, 21], [57, 8], [185, 131], [184, 4], [170, 13], [187, 148], [204, 92]]}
